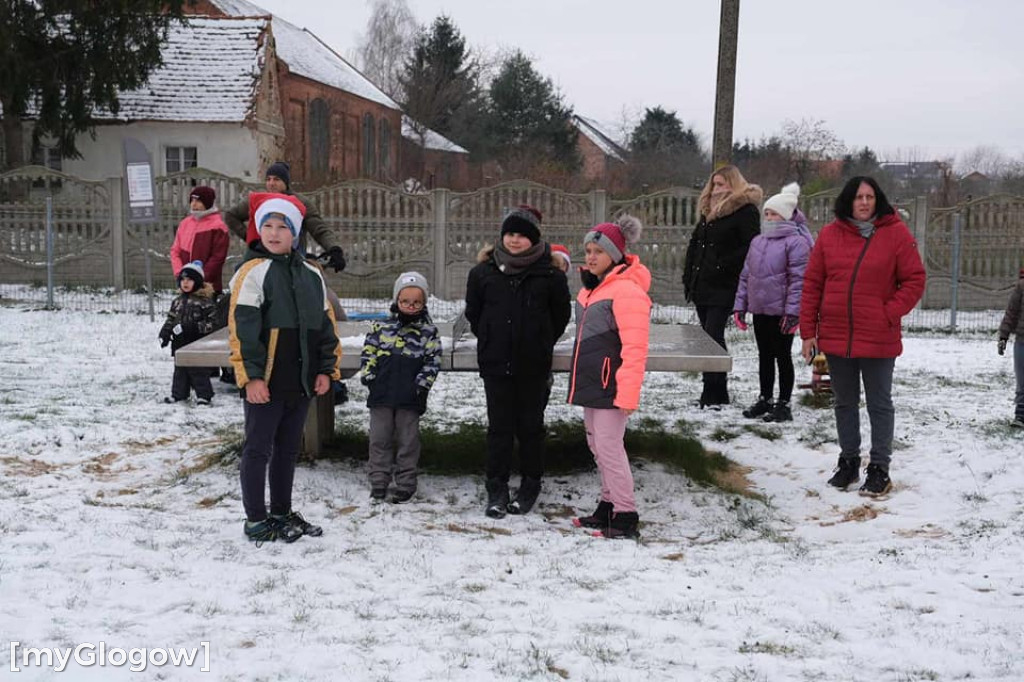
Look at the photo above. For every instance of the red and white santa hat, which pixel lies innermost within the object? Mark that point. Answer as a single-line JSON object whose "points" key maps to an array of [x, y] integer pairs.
{"points": [[264, 204], [563, 252]]}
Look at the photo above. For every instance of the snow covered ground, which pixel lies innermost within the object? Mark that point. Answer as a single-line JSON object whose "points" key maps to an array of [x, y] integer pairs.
{"points": [[106, 536]]}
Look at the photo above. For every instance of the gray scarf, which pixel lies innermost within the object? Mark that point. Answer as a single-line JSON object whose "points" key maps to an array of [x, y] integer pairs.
{"points": [[865, 227], [513, 264]]}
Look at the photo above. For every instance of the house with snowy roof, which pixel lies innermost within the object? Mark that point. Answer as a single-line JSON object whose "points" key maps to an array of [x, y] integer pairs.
{"points": [[603, 159], [431, 160], [214, 102], [338, 124]]}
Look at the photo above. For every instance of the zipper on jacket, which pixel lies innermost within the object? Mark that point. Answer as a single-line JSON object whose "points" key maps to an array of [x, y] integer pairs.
{"points": [[606, 372], [849, 295], [576, 350]]}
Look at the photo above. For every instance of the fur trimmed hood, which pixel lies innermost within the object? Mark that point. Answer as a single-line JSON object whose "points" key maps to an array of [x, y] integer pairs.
{"points": [[484, 254], [737, 199]]}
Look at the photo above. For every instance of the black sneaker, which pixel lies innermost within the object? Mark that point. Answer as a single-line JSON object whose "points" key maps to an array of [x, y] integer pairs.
{"points": [[170, 400], [271, 529], [758, 409], [402, 496], [378, 494], [599, 519], [877, 482], [294, 518], [526, 496], [203, 401], [497, 498], [1018, 422], [623, 525], [780, 413], [846, 473]]}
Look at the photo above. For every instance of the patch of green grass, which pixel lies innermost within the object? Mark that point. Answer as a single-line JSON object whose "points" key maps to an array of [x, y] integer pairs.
{"points": [[766, 432], [816, 401], [723, 435], [464, 450]]}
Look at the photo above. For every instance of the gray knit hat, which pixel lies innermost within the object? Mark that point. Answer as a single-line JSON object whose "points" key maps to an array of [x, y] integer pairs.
{"points": [[411, 279]]}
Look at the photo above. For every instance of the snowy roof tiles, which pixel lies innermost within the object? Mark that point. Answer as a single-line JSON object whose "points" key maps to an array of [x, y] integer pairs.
{"points": [[431, 140], [210, 72], [306, 55], [593, 132]]}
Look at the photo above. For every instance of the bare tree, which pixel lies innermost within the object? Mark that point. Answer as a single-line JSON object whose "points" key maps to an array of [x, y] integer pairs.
{"points": [[810, 142], [984, 159], [388, 41]]}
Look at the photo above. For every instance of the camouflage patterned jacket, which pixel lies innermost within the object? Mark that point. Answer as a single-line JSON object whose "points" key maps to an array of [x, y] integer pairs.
{"points": [[399, 361]]}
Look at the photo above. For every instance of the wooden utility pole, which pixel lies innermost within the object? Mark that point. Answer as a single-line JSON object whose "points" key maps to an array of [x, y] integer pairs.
{"points": [[725, 91]]}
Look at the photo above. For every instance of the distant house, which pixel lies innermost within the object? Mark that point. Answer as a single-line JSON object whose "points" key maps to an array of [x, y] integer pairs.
{"points": [[603, 159], [975, 185], [432, 160], [337, 124], [214, 102], [915, 176]]}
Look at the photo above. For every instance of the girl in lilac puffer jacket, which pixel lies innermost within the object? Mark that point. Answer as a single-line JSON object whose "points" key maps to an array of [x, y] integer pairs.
{"points": [[769, 287]]}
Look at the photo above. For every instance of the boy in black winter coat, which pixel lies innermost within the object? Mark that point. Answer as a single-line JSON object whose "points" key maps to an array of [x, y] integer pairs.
{"points": [[400, 361], [192, 316], [518, 305]]}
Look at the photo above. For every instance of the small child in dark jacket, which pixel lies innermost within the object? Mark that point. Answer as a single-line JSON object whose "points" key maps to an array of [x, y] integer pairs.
{"points": [[192, 316], [400, 361], [1013, 323]]}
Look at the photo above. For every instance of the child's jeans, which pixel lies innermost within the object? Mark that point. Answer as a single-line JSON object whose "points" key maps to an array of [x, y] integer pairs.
{"points": [[394, 447], [1018, 368], [187, 378], [273, 433], [606, 429]]}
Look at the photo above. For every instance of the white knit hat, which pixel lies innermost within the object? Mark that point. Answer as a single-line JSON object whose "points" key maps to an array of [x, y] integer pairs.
{"points": [[784, 203], [411, 279]]}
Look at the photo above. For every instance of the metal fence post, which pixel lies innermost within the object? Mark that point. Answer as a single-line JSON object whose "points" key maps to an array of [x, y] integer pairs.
{"points": [[49, 252], [149, 272], [115, 187], [957, 225], [921, 237], [441, 284]]}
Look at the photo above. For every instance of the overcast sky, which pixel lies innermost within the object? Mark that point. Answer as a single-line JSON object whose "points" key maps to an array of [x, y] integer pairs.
{"points": [[912, 79]]}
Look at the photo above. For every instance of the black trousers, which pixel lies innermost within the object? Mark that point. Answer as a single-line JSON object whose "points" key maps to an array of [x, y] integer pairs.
{"points": [[773, 348], [273, 433], [713, 320], [515, 411], [187, 378]]}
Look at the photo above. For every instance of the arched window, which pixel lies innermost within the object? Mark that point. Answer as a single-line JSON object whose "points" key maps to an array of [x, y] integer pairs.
{"points": [[319, 138], [369, 146], [385, 147]]}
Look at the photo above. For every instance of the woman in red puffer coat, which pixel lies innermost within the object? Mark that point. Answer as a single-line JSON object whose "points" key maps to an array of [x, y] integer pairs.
{"points": [[863, 276]]}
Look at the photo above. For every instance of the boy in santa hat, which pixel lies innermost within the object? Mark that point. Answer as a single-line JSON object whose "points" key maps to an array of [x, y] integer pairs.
{"points": [[284, 350]]}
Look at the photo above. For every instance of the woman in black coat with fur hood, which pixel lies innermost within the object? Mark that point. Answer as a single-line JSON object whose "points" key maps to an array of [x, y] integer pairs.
{"points": [[518, 305], [730, 218]]}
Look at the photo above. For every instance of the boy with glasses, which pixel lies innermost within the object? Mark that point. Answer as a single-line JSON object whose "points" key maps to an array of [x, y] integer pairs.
{"points": [[400, 361]]}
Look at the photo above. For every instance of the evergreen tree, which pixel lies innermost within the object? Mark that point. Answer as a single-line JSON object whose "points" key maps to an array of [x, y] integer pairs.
{"points": [[665, 152], [528, 124], [440, 84], [61, 61]]}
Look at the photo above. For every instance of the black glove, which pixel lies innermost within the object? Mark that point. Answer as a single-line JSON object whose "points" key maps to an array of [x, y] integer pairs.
{"points": [[421, 400], [165, 338], [1002, 346], [335, 258]]}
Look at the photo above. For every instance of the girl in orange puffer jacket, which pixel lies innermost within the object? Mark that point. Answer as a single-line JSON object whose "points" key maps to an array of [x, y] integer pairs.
{"points": [[613, 318]]}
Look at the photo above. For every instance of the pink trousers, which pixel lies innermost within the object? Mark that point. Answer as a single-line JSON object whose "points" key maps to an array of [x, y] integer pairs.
{"points": [[605, 432]]}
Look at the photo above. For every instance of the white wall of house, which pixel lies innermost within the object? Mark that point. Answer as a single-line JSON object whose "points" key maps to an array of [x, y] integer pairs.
{"points": [[228, 148]]}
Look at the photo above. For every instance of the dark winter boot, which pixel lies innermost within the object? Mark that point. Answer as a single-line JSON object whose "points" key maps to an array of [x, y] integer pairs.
{"points": [[497, 498], [758, 409], [599, 519], [295, 519], [622, 525], [526, 496], [780, 413], [846, 473], [877, 482]]}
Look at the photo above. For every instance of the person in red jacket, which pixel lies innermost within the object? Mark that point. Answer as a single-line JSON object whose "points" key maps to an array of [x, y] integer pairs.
{"points": [[609, 357], [202, 236], [863, 276]]}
